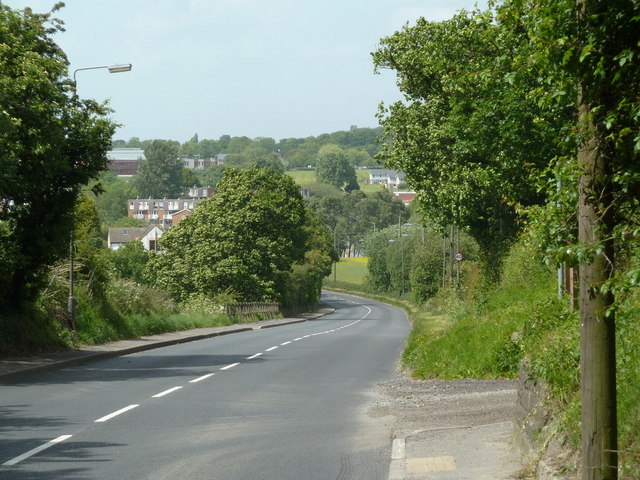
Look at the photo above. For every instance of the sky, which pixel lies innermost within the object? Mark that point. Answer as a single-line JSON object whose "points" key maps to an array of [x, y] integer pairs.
{"points": [[255, 68]]}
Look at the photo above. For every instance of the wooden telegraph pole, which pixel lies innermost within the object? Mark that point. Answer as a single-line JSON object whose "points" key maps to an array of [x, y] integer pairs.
{"points": [[597, 339]]}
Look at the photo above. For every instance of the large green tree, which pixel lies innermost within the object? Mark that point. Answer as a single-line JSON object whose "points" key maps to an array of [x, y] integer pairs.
{"points": [[160, 175], [51, 144], [468, 135], [333, 168], [244, 239]]}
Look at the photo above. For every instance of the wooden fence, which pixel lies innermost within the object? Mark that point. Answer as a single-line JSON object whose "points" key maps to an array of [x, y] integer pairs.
{"points": [[252, 309]]}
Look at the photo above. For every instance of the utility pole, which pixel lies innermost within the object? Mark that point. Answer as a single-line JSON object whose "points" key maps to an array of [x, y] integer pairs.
{"points": [[458, 263], [444, 260], [71, 305], [451, 255], [597, 338]]}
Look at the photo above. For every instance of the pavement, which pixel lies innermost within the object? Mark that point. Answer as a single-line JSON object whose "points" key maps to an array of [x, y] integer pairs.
{"points": [[451, 429], [458, 430]]}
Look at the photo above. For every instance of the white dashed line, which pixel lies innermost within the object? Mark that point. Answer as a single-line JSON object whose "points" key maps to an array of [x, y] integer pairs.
{"points": [[33, 451], [116, 413], [166, 392], [230, 366], [62, 438], [203, 377]]}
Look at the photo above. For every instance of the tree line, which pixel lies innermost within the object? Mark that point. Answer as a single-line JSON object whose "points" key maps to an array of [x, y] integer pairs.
{"points": [[360, 144]]}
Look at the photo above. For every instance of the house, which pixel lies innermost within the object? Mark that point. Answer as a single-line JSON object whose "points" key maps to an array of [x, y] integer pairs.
{"points": [[162, 210], [200, 192], [389, 178], [405, 197], [177, 217], [124, 162], [149, 237], [203, 163]]}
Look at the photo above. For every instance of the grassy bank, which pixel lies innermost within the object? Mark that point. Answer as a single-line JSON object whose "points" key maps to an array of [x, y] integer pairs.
{"points": [[487, 333]]}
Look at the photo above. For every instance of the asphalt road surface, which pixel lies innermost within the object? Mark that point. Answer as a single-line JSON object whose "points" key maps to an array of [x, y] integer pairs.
{"points": [[285, 403]]}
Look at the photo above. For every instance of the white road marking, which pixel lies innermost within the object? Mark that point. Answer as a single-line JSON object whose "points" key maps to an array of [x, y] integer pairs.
{"points": [[116, 413], [166, 392], [254, 356], [230, 366], [285, 343], [33, 451], [271, 349], [203, 377], [297, 339]]}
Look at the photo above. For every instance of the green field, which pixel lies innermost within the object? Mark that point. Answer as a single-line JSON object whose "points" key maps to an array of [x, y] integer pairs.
{"points": [[306, 179], [349, 270]]}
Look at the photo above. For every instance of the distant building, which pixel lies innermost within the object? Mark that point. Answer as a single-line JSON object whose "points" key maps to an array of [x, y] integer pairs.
{"points": [[163, 210], [201, 192], [125, 162], [149, 237], [405, 197], [203, 163], [388, 178]]}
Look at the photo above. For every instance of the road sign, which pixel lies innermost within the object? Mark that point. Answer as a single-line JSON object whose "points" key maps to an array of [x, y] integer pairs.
{"points": [[459, 257]]}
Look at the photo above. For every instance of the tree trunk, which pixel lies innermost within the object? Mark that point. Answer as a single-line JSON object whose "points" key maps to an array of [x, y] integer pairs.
{"points": [[598, 359]]}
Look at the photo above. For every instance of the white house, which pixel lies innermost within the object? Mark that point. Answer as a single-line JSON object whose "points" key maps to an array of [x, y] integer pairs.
{"points": [[389, 178], [149, 237]]}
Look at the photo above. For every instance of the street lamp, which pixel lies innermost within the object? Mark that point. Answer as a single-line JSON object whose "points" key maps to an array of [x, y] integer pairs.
{"points": [[126, 67]]}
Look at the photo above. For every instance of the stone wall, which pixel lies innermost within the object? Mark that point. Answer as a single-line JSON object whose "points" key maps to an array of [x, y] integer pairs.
{"points": [[546, 452]]}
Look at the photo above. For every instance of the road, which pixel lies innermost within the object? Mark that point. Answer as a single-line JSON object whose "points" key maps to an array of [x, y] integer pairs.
{"points": [[280, 403]]}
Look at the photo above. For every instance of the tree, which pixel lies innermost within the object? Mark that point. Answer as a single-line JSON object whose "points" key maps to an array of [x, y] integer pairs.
{"points": [[51, 144], [242, 240], [111, 200], [333, 168], [304, 283], [359, 157], [468, 135], [129, 261], [160, 174], [212, 175]]}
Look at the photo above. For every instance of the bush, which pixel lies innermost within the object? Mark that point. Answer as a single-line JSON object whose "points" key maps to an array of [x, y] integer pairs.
{"points": [[128, 298]]}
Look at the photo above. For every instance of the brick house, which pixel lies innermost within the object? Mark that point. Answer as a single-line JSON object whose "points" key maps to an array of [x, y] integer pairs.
{"points": [[405, 197]]}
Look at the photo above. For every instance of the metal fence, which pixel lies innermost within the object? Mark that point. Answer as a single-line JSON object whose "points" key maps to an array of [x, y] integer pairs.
{"points": [[252, 309]]}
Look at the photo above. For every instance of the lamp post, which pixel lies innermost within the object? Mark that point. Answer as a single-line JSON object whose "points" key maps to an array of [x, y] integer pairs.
{"points": [[126, 67]]}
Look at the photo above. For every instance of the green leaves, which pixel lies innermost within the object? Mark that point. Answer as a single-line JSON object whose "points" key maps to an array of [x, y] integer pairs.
{"points": [[470, 134], [243, 240], [333, 168], [51, 144]]}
